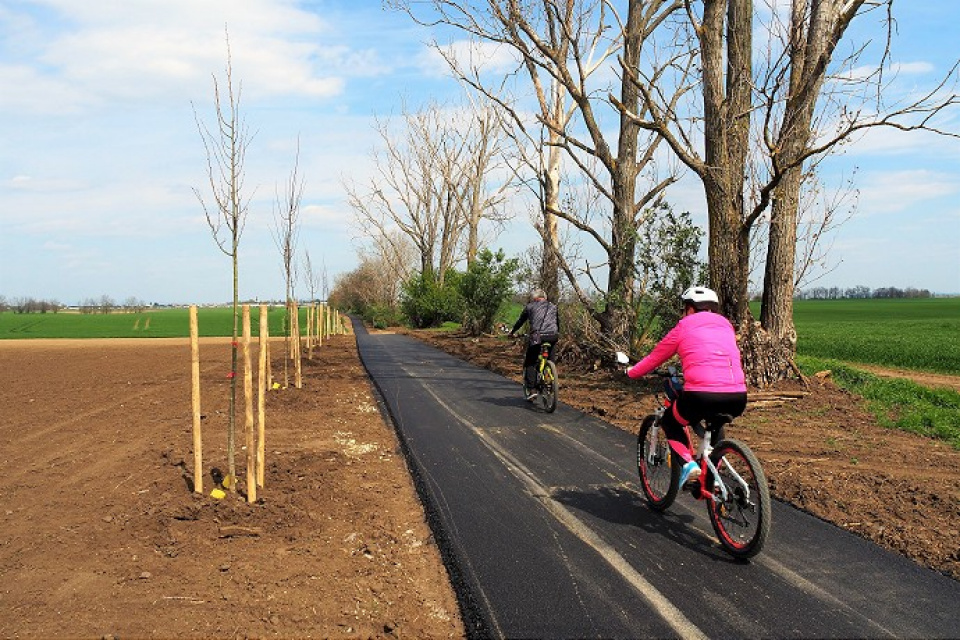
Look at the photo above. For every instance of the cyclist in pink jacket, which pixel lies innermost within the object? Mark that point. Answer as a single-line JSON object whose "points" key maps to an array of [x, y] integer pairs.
{"points": [[713, 374]]}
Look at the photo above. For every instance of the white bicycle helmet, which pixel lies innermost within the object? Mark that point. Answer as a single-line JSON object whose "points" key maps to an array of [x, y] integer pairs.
{"points": [[699, 294]]}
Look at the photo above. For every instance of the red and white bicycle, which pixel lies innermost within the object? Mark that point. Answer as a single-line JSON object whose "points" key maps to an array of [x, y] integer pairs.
{"points": [[731, 482]]}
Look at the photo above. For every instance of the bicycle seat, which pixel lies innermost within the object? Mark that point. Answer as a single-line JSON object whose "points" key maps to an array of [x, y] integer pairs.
{"points": [[714, 424], [719, 420]]}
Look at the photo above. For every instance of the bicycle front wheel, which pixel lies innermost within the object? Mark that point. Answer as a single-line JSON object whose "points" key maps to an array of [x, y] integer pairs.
{"points": [[659, 476], [742, 519], [548, 387]]}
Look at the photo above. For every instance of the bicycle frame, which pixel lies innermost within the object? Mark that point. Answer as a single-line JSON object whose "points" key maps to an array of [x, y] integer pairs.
{"points": [[544, 356], [733, 485], [703, 456]]}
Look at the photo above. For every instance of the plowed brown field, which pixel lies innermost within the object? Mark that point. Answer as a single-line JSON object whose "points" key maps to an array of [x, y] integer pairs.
{"points": [[102, 535]]}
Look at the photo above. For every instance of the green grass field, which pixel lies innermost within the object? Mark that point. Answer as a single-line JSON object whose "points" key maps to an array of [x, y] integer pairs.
{"points": [[907, 334], [163, 323], [832, 334], [895, 402]]}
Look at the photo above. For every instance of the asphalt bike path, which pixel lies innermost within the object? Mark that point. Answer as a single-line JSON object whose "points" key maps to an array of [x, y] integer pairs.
{"points": [[545, 532]]}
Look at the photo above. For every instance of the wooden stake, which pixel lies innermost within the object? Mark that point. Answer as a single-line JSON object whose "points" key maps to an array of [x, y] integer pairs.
{"points": [[320, 322], [269, 361], [297, 369], [195, 377], [248, 405], [261, 393], [310, 332]]}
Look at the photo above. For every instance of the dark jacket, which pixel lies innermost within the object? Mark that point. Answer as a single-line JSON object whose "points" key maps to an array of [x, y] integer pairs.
{"points": [[543, 318]]}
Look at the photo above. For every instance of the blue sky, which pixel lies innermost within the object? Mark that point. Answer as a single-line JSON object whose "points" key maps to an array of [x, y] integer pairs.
{"points": [[99, 151]]}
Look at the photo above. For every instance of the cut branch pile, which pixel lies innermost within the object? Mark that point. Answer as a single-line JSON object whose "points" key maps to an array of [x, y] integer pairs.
{"points": [[774, 398]]}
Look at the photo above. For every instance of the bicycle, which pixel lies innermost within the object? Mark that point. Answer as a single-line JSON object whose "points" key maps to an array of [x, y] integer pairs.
{"points": [[547, 379], [731, 482]]}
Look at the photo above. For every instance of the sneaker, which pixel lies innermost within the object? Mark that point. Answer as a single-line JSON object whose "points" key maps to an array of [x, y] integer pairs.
{"points": [[690, 472], [531, 397]]}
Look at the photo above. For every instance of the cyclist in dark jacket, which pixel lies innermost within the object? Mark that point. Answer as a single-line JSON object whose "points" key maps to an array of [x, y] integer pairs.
{"points": [[544, 322]]}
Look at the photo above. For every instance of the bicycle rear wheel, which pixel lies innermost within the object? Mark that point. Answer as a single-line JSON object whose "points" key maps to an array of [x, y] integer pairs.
{"points": [[742, 521], [548, 387], [659, 476]]}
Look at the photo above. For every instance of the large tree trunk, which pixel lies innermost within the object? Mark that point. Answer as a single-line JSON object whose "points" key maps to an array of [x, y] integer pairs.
{"points": [[767, 356], [550, 263], [776, 311], [727, 102], [811, 47], [618, 319]]}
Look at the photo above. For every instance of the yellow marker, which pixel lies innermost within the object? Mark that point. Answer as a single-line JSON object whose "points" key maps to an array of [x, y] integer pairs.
{"points": [[227, 481], [219, 494]]}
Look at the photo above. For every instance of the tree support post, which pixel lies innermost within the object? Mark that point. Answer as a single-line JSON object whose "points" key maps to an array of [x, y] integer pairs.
{"points": [[195, 396]]}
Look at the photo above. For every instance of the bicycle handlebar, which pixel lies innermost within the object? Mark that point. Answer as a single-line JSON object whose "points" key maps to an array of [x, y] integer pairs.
{"points": [[669, 372]]}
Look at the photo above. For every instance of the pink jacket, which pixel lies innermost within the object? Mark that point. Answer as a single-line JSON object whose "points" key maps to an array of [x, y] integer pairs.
{"points": [[708, 351]]}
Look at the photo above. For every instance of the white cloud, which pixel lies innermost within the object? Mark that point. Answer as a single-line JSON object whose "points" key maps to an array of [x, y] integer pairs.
{"points": [[104, 53], [913, 68], [904, 191], [486, 57], [38, 94], [327, 217]]}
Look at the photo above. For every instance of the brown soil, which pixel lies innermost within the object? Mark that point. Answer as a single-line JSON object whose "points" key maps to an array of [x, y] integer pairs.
{"points": [[924, 378], [103, 535], [822, 452]]}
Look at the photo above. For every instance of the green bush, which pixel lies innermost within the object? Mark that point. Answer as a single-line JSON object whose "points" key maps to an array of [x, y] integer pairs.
{"points": [[381, 316], [668, 247], [427, 303], [484, 288]]}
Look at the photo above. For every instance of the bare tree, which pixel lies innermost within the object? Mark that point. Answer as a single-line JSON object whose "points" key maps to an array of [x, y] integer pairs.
{"points": [[820, 214], [286, 217], [226, 148], [538, 146], [483, 153], [314, 277], [106, 304], [567, 41], [396, 258], [430, 185], [781, 96], [371, 284]]}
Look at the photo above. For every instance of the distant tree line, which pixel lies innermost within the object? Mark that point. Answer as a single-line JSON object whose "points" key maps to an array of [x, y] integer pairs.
{"points": [[29, 305], [105, 304], [860, 292]]}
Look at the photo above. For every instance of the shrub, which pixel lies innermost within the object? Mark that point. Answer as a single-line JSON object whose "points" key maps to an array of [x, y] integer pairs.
{"points": [[427, 303], [381, 316], [484, 288]]}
